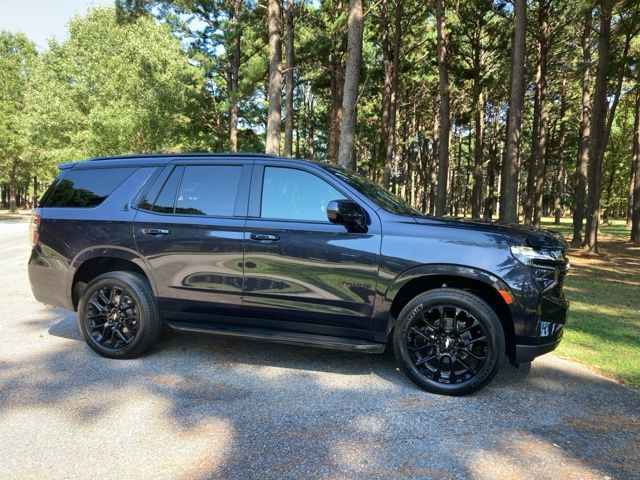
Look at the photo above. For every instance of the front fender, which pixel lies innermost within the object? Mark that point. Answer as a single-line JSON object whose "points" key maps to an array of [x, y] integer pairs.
{"points": [[383, 317], [432, 270]]}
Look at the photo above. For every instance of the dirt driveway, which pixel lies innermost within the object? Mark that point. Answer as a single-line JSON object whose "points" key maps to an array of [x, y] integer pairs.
{"points": [[220, 408]]}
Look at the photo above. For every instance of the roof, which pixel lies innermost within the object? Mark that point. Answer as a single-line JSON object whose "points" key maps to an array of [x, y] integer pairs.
{"points": [[160, 159], [184, 154]]}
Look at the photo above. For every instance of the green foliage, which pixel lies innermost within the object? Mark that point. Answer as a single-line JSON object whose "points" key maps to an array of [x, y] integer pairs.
{"points": [[17, 55], [111, 88], [152, 75]]}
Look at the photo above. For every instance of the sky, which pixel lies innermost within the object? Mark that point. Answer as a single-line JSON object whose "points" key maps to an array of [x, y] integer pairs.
{"points": [[42, 19]]}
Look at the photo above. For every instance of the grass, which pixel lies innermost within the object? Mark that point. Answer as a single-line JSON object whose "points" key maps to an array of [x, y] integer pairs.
{"points": [[603, 328]]}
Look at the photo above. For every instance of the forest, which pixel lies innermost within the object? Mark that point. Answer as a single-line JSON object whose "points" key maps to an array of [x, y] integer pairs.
{"points": [[483, 109]]}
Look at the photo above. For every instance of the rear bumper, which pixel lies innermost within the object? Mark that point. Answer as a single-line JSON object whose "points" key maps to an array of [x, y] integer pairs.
{"points": [[48, 278]]}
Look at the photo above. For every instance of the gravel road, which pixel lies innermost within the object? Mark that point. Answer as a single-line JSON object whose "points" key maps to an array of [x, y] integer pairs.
{"points": [[207, 407]]}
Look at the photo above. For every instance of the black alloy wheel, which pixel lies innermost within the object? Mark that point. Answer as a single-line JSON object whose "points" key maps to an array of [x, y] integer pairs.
{"points": [[112, 317], [448, 344], [118, 316], [449, 341]]}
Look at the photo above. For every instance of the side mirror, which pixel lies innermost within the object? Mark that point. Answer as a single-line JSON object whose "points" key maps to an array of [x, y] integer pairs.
{"points": [[347, 213]]}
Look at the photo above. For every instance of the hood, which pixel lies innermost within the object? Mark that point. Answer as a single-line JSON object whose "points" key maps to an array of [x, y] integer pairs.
{"points": [[515, 234]]}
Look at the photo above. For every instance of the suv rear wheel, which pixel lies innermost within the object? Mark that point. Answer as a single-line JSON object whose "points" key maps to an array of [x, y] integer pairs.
{"points": [[118, 316], [449, 341]]}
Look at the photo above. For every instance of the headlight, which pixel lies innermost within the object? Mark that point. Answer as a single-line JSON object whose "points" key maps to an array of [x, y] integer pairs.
{"points": [[546, 278], [530, 256], [544, 263]]}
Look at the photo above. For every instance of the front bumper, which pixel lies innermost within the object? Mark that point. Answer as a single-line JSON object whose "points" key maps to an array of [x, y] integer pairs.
{"points": [[551, 317], [526, 353]]}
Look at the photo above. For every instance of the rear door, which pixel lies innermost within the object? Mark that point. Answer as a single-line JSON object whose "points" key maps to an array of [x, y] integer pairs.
{"points": [[189, 228]]}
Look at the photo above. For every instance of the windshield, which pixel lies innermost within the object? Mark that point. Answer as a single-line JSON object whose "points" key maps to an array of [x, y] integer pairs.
{"points": [[379, 195]]}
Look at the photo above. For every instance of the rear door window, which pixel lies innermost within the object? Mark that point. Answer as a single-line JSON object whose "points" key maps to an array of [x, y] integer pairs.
{"points": [[196, 190], [86, 188], [208, 190]]}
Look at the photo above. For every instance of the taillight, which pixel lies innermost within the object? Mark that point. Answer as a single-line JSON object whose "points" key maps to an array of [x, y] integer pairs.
{"points": [[34, 228]]}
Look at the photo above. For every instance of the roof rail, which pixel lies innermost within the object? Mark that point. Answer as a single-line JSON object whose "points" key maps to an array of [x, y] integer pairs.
{"points": [[184, 154]]}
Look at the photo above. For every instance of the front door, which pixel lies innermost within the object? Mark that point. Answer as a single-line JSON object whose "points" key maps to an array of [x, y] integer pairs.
{"points": [[299, 267], [190, 231]]}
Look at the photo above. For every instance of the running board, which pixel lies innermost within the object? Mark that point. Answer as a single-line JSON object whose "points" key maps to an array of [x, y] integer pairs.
{"points": [[291, 338]]}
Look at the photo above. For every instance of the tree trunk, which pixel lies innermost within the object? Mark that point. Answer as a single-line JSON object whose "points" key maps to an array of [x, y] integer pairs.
{"points": [[456, 187], [479, 111], [476, 196], [351, 77], [387, 81], [13, 189], [275, 78], [511, 164], [543, 21], [530, 191], [288, 80], [35, 191], [391, 65], [336, 86], [232, 77], [580, 182], [597, 140], [443, 140], [491, 177], [433, 160], [533, 197], [308, 121], [635, 161], [335, 114], [560, 172]]}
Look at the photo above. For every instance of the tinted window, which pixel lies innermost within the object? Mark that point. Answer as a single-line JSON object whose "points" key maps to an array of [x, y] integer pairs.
{"points": [[293, 194], [162, 195], [47, 194], [167, 197], [87, 188], [208, 190], [382, 197]]}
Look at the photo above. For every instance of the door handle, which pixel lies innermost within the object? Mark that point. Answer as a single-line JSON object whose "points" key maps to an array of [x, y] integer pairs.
{"points": [[262, 237], [156, 231]]}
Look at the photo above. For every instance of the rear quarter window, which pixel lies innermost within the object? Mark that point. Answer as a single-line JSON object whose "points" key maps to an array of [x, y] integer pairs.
{"points": [[86, 188]]}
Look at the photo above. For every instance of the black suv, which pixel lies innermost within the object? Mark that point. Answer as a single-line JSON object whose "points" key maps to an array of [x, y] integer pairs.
{"points": [[296, 252]]}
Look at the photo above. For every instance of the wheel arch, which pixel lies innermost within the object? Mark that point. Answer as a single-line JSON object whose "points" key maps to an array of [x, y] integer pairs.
{"points": [[92, 263], [481, 283]]}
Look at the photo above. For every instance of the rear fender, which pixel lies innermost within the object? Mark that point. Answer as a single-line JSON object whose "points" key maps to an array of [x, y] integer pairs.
{"points": [[120, 253]]}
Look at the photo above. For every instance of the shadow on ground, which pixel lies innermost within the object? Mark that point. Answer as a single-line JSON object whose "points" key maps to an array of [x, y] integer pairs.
{"points": [[242, 409]]}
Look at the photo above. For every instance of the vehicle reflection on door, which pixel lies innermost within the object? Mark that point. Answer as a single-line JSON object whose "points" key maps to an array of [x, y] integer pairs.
{"points": [[323, 276], [198, 267]]}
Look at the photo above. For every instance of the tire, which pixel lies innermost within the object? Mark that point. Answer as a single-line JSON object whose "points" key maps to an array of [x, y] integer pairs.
{"points": [[132, 314], [444, 356]]}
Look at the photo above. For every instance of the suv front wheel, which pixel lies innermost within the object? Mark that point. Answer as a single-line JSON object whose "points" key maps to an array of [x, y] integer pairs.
{"points": [[118, 316], [449, 341]]}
